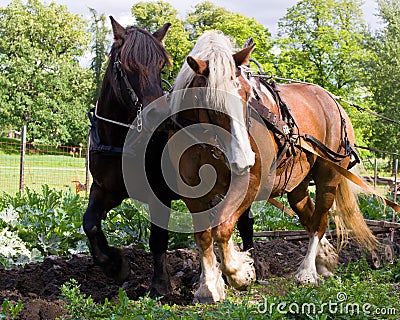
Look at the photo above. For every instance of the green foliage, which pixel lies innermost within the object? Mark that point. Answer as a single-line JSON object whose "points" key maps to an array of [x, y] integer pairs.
{"points": [[325, 42], [206, 16], [128, 224], [383, 75], [82, 307], [41, 83], [35, 225], [268, 217], [9, 310], [99, 50], [373, 208], [341, 297], [322, 41], [151, 16]]}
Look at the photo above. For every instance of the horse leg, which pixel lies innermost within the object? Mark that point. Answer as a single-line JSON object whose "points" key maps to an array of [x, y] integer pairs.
{"points": [[237, 266], [245, 225], [110, 259], [161, 283], [327, 259], [302, 204], [159, 215], [326, 185], [212, 287], [315, 219]]}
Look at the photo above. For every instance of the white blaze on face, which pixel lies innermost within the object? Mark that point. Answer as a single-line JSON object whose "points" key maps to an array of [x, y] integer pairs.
{"points": [[241, 156]]}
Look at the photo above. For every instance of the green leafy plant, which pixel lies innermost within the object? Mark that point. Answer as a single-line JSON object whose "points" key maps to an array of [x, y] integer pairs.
{"points": [[10, 310], [79, 306], [268, 217], [128, 224], [49, 222]]}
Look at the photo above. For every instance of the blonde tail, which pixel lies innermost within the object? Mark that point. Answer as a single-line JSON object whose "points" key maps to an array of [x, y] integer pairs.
{"points": [[347, 215]]}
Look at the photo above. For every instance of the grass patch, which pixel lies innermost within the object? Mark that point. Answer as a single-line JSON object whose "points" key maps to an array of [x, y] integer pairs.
{"points": [[355, 292], [57, 171]]}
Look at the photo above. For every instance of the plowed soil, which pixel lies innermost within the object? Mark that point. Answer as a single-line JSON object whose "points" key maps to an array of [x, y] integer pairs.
{"points": [[38, 285]]}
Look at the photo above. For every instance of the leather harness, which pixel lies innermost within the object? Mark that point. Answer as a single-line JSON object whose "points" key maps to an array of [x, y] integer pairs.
{"points": [[286, 131]]}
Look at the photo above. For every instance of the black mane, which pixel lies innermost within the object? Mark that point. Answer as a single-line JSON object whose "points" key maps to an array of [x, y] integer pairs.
{"points": [[139, 50]]}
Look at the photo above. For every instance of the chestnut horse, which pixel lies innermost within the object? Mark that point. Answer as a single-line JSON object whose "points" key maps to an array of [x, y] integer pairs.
{"points": [[132, 80], [247, 166]]}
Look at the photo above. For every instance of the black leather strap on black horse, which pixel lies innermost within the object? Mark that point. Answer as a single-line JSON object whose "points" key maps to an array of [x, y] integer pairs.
{"points": [[120, 74], [95, 143]]}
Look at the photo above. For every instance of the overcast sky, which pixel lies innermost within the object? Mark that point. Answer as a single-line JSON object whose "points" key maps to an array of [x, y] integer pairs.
{"points": [[265, 11]]}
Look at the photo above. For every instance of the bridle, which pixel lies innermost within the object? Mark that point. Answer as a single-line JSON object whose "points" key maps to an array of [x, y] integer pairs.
{"points": [[93, 115], [137, 104], [217, 151]]}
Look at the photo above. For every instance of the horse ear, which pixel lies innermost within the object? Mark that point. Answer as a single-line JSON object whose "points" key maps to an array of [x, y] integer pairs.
{"points": [[118, 30], [162, 32], [242, 57], [248, 42], [198, 66]]}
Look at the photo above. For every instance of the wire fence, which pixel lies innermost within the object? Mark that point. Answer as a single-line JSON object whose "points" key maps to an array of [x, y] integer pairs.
{"points": [[29, 165], [57, 166]]}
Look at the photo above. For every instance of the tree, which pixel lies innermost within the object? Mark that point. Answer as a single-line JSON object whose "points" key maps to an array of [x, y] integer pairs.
{"points": [[322, 41], [206, 16], [383, 77], [99, 49], [41, 82], [151, 16]]}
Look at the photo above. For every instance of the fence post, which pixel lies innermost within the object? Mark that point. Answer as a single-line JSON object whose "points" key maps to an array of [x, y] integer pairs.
{"points": [[375, 172], [22, 160], [396, 167], [87, 164]]}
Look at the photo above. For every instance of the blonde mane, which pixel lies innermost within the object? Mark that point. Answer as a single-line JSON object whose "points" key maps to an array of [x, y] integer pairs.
{"points": [[217, 49]]}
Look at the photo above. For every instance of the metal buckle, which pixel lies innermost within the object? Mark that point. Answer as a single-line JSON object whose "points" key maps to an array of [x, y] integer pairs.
{"points": [[139, 125], [286, 129]]}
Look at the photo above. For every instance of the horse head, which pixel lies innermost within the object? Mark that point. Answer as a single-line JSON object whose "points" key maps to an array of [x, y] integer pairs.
{"points": [[221, 94], [136, 60]]}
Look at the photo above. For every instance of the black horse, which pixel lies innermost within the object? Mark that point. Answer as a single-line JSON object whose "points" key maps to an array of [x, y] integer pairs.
{"points": [[132, 81]]}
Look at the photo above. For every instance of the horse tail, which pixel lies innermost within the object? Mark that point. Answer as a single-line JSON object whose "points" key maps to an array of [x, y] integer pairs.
{"points": [[347, 215]]}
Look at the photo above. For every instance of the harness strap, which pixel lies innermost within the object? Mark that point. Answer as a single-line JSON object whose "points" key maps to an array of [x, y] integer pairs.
{"points": [[271, 119], [332, 155], [347, 174], [286, 138], [95, 144]]}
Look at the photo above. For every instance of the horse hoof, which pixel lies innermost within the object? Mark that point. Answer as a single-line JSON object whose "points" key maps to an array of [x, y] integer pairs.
{"points": [[306, 278], [159, 290], [203, 300], [124, 272]]}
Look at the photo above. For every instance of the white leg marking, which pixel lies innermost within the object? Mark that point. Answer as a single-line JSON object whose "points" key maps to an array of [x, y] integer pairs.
{"points": [[327, 258], [237, 266], [212, 287], [307, 272]]}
